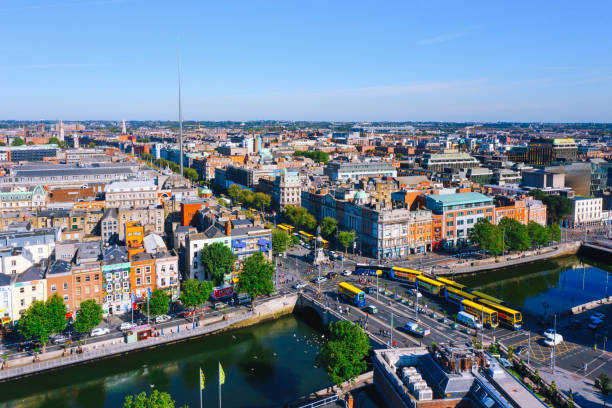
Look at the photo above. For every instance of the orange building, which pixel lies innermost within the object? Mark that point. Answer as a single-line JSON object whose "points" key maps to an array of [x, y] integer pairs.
{"points": [[134, 235], [523, 210], [142, 274], [189, 210]]}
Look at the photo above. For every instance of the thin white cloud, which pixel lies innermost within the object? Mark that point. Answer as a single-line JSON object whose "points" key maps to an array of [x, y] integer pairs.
{"points": [[445, 37]]}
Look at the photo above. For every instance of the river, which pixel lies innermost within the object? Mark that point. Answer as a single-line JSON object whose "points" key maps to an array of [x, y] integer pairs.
{"points": [[546, 287], [265, 365]]}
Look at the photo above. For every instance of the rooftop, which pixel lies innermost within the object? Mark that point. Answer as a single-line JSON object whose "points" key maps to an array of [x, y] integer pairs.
{"points": [[459, 198]]}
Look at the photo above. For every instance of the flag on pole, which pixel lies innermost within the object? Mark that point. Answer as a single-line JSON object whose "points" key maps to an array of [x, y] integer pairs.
{"points": [[221, 375], [201, 379]]}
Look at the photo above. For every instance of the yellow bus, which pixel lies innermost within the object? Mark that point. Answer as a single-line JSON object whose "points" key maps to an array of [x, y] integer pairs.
{"points": [[306, 236], [485, 296], [488, 315], [455, 295], [324, 243], [430, 286], [448, 282], [287, 227], [283, 227], [510, 318], [404, 274], [352, 294]]}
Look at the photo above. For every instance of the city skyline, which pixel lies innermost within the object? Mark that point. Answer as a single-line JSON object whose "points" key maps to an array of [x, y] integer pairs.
{"points": [[338, 62]]}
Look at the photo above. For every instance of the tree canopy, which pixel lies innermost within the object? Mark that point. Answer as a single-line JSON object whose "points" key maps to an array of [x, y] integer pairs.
{"points": [[602, 385], [538, 234], [88, 316], [195, 292], [346, 238], [18, 142], [300, 217], [155, 400], [54, 140], [280, 241], [316, 155], [555, 232], [56, 313], [37, 322], [190, 173], [234, 191], [261, 200], [343, 356], [514, 234], [218, 260], [557, 207], [488, 236], [328, 226], [159, 304], [256, 276]]}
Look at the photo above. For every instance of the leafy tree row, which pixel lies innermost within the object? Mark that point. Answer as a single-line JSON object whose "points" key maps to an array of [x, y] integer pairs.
{"points": [[557, 207], [300, 217], [218, 260], [188, 172], [316, 155], [249, 198], [512, 235]]}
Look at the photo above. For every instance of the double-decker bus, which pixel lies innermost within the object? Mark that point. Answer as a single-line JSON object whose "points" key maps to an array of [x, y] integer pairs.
{"points": [[287, 227], [452, 283], [306, 236], [487, 315], [404, 274], [431, 286], [371, 270], [485, 296], [352, 294], [455, 295], [513, 319]]}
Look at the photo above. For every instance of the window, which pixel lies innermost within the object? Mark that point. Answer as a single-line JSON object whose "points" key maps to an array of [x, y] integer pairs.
{"points": [[22, 302], [65, 298], [13, 262], [470, 220], [53, 289], [138, 281], [148, 279], [33, 288], [125, 274], [65, 286], [78, 291], [138, 271], [87, 290], [459, 222], [148, 269], [449, 223], [21, 290], [96, 288], [78, 279], [96, 277], [87, 278]]}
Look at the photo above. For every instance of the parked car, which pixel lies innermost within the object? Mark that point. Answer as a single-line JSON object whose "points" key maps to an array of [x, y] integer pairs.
{"points": [[319, 279], [189, 313], [347, 272], [554, 340], [126, 326], [371, 309], [549, 333], [415, 292], [520, 349], [60, 339], [243, 299], [99, 331], [300, 285], [331, 275], [162, 318]]}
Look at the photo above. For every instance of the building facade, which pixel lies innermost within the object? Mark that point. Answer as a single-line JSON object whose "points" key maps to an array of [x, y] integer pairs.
{"points": [[356, 171]]}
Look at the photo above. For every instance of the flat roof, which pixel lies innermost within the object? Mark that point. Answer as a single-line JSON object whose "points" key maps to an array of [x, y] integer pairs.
{"points": [[459, 198]]}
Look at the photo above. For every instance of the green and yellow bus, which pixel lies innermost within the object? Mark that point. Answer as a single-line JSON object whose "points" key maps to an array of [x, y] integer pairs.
{"points": [[487, 315], [431, 286], [452, 283], [352, 294], [455, 295], [404, 274], [287, 227], [513, 319], [485, 296], [306, 236]]}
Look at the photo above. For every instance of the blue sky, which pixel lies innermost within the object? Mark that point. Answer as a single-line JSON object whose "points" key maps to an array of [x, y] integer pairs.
{"points": [[307, 60]]}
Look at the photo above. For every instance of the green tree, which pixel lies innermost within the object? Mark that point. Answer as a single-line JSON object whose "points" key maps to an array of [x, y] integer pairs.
{"points": [[487, 236], [54, 140], [218, 260], [280, 241], [159, 304], [35, 324], [56, 313], [18, 142], [234, 191], [88, 316], [554, 230], [195, 292], [344, 354], [515, 234], [147, 157], [328, 226], [510, 352], [346, 238], [602, 385], [155, 400], [261, 200], [538, 234], [300, 217], [91, 145], [557, 207], [256, 276], [246, 197], [190, 173], [316, 155]]}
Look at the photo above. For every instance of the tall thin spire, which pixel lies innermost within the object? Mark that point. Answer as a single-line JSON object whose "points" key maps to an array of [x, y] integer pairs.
{"points": [[180, 112]]}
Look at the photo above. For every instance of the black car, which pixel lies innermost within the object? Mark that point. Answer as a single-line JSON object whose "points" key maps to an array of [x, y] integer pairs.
{"points": [[331, 275], [368, 290]]}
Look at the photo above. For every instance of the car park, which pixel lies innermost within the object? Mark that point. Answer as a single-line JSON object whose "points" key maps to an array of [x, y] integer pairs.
{"points": [[162, 318], [99, 331]]}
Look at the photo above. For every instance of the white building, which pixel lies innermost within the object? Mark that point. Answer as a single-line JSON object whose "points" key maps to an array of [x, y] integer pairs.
{"points": [[587, 211], [167, 273], [6, 303], [27, 287], [131, 193]]}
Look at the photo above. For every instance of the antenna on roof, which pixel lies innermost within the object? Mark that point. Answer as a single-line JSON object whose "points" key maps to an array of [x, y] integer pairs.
{"points": [[180, 111]]}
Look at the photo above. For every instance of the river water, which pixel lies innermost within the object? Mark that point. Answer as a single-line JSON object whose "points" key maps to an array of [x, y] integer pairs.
{"points": [[265, 366], [548, 286]]}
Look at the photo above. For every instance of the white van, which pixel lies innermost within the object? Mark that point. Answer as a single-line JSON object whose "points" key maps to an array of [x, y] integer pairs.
{"points": [[554, 340], [468, 320]]}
